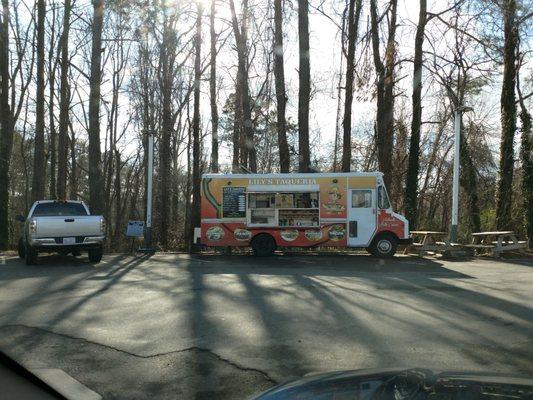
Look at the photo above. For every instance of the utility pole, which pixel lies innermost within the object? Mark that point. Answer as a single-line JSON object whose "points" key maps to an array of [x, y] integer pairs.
{"points": [[456, 166]]}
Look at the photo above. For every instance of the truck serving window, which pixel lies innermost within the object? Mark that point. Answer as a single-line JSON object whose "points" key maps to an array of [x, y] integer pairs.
{"points": [[383, 199], [59, 209], [287, 209]]}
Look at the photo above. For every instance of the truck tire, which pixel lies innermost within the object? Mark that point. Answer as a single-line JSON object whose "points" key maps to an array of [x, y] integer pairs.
{"points": [[263, 245], [95, 255], [383, 246], [21, 249], [30, 255]]}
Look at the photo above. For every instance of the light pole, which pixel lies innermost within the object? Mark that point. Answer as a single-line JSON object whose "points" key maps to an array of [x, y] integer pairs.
{"points": [[456, 163], [149, 185]]}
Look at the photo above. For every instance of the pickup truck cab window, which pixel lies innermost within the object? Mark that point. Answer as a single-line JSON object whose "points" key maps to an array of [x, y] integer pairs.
{"points": [[59, 209]]}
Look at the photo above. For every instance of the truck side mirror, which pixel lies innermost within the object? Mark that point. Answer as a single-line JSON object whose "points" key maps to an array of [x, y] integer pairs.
{"points": [[20, 218]]}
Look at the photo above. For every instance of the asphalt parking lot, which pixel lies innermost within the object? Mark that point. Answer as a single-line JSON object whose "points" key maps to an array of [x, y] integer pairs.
{"points": [[226, 327]]}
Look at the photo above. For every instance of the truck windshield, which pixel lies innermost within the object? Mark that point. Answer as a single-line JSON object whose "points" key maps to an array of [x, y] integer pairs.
{"points": [[59, 209], [383, 199]]}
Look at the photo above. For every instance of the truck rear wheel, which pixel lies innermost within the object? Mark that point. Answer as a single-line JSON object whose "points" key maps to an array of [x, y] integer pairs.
{"points": [[95, 255], [383, 246], [30, 255], [263, 245]]}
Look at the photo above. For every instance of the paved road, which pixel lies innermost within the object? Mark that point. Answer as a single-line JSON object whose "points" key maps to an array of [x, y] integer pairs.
{"points": [[180, 326]]}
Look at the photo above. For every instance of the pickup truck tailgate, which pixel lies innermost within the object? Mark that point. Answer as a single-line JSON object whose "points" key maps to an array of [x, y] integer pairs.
{"points": [[67, 226]]}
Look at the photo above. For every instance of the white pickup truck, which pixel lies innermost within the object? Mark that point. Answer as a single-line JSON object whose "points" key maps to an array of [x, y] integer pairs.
{"points": [[61, 227]]}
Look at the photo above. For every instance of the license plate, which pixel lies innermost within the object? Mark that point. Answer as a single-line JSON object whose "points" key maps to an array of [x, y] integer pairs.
{"points": [[69, 240]]}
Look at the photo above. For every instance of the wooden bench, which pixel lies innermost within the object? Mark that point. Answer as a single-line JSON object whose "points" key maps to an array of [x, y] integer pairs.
{"points": [[497, 242], [430, 241]]}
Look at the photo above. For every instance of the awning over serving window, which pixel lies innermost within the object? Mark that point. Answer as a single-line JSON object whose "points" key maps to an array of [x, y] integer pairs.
{"points": [[283, 188]]}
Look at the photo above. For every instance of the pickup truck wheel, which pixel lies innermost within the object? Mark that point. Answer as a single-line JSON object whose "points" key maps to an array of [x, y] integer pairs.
{"points": [[263, 245], [383, 246], [21, 248], [30, 255], [95, 255]]}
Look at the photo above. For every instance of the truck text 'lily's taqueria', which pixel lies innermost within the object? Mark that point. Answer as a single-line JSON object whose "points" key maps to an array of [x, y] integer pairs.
{"points": [[265, 211]]}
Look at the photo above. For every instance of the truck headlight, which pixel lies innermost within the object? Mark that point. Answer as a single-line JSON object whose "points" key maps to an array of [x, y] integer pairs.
{"points": [[32, 227], [102, 226]]}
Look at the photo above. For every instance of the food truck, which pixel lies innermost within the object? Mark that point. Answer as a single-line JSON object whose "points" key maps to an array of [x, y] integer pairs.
{"points": [[267, 211]]}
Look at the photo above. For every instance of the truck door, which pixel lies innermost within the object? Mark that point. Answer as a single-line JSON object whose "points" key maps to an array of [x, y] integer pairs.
{"points": [[362, 217]]}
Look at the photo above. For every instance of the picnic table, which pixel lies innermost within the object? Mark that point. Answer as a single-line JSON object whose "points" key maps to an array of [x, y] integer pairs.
{"points": [[430, 241], [497, 242]]}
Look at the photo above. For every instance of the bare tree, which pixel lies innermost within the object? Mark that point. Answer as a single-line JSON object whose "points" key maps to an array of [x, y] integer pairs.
{"points": [[96, 182], [64, 104], [39, 170], [52, 67], [384, 88], [281, 96], [195, 206], [6, 126], [166, 80], [213, 89], [411, 182], [304, 92], [247, 150], [354, 11]]}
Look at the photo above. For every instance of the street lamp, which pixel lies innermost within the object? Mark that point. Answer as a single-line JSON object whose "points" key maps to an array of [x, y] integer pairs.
{"points": [[455, 193]]}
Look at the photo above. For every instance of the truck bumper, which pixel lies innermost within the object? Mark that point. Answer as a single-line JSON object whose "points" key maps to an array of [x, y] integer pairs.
{"points": [[55, 244]]}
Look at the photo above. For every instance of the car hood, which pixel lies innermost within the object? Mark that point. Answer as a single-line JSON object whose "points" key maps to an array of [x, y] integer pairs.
{"points": [[402, 383]]}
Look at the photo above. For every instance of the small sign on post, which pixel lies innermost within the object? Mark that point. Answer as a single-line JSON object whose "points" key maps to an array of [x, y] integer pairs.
{"points": [[135, 229]]}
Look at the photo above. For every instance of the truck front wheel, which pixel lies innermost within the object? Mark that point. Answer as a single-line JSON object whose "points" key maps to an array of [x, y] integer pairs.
{"points": [[95, 255], [383, 246], [263, 245], [30, 255]]}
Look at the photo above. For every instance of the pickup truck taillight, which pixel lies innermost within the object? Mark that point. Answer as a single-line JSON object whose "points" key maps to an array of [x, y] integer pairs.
{"points": [[102, 226], [32, 226]]}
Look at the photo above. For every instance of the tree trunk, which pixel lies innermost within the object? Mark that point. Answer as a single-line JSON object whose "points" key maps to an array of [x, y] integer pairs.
{"points": [[468, 180], [385, 90], [195, 206], [304, 92], [6, 126], [64, 104], [96, 183], [526, 156], [354, 11], [247, 128], [213, 91], [52, 65], [508, 117], [167, 59], [411, 183], [281, 96], [237, 134], [39, 162], [73, 181]]}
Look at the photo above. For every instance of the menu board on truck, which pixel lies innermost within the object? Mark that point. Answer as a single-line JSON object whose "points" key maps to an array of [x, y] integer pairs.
{"points": [[233, 202]]}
